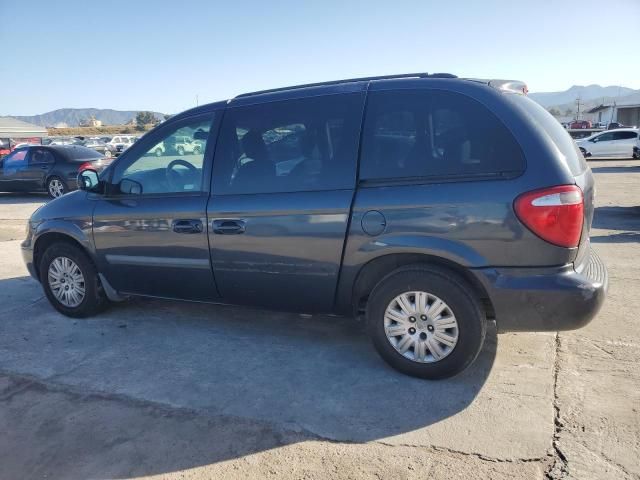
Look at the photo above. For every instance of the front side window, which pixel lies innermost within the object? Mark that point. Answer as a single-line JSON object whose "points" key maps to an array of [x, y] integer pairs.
{"points": [[605, 137], [166, 164], [423, 133], [16, 159], [294, 145]]}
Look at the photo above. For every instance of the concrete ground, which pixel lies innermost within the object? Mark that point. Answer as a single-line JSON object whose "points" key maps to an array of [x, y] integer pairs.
{"points": [[177, 390]]}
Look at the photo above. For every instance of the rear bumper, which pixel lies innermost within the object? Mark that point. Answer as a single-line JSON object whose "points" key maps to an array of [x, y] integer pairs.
{"points": [[546, 299]]}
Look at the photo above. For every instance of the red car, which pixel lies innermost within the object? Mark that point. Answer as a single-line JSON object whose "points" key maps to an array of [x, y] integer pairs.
{"points": [[580, 124]]}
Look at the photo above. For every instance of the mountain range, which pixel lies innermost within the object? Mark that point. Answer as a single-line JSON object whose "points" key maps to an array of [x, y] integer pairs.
{"points": [[590, 96], [74, 116]]}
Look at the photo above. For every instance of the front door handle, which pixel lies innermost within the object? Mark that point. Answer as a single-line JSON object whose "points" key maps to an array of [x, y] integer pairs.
{"points": [[227, 226], [187, 226]]}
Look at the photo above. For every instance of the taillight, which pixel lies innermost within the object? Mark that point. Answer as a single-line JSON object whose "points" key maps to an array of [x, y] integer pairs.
{"points": [[554, 214], [84, 166]]}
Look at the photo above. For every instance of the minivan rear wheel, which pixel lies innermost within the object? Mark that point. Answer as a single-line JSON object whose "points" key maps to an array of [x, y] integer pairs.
{"points": [[70, 281], [426, 322]]}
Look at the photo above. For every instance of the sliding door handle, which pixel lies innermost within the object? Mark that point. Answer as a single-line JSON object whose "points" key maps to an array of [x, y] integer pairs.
{"points": [[227, 226]]}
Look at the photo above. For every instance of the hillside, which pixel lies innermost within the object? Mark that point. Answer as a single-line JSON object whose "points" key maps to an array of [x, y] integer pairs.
{"points": [[592, 94], [73, 116]]}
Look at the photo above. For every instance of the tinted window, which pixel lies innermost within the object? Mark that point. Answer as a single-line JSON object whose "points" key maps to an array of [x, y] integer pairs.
{"points": [[557, 134], [605, 137], [624, 135], [288, 146], [424, 133], [169, 163], [41, 157]]}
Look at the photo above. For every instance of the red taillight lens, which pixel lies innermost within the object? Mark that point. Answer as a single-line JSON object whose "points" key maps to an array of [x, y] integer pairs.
{"points": [[84, 166], [554, 214]]}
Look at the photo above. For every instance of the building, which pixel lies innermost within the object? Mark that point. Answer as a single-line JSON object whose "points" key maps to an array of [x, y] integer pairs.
{"points": [[625, 113], [14, 132]]}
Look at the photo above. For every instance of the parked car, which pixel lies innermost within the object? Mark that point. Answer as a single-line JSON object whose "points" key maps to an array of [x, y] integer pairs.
{"points": [[580, 124], [120, 143], [615, 125], [98, 145], [457, 202], [50, 168], [622, 143], [600, 125]]}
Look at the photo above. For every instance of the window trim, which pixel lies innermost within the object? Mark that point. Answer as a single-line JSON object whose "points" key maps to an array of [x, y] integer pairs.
{"points": [[434, 179], [155, 136]]}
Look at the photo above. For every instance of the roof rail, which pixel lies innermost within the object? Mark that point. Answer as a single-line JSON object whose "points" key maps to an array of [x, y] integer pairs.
{"points": [[350, 80]]}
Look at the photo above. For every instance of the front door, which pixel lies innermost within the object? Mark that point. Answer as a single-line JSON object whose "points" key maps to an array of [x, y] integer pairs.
{"points": [[12, 168], [283, 183], [150, 228], [603, 146]]}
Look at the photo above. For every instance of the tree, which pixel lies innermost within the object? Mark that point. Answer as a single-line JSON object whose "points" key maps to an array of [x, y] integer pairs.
{"points": [[555, 112], [145, 118], [568, 112]]}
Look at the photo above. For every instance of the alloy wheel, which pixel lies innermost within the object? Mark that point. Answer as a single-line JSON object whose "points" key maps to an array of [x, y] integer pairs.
{"points": [[56, 188]]}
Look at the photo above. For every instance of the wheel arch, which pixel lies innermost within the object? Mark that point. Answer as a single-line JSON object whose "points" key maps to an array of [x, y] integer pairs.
{"points": [[371, 273], [48, 238]]}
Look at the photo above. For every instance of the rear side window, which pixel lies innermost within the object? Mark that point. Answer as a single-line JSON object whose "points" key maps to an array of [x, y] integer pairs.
{"points": [[294, 145], [556, 132], [433, 133], [624, 135], [41, 157]]}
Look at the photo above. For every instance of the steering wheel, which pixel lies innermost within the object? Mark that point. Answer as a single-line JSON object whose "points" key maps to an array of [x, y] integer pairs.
{"points": [[177, 181]]}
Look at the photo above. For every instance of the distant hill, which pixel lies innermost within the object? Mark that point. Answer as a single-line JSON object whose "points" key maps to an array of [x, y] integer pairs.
{"points": [[73, 116], [589, 94]]}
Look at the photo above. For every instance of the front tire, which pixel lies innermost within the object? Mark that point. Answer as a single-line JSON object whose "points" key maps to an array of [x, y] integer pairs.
{"points": [[426, 322], [71, 282], [636, 153], [56, 187], [180, 151]]}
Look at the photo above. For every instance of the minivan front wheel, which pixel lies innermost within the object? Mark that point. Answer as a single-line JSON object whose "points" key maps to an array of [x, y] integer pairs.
{"points": [[70, 281], [426, 322]]}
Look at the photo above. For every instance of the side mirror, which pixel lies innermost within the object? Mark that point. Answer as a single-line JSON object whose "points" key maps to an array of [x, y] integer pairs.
{"points": [[130, 187], [88, 180], [595, 140]]}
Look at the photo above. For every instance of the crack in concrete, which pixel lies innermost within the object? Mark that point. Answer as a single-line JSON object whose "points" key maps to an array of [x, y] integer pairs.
{"points": [[559, 468]]}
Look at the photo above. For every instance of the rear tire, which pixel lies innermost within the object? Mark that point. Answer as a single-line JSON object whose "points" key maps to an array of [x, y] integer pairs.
{"points": [[56, 187], [81, 274], [636, 153], [462, 308]]}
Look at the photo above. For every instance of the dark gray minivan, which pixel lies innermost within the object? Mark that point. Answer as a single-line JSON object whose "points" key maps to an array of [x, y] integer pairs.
{"points": [[428, 203]]}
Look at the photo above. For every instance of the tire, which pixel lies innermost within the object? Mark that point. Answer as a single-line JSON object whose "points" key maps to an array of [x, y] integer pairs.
{"points": [[94, 299], [107, 153], [56, 187], [636, 153], [180, 151], [197, 150], [158, 152], [461, 304]]}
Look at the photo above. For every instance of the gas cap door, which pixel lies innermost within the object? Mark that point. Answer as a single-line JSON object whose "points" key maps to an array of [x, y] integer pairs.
{"points": [[373, 223]]}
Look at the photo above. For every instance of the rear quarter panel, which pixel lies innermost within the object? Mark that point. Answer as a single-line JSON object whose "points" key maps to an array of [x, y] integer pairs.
{"points": [[470, 223]]}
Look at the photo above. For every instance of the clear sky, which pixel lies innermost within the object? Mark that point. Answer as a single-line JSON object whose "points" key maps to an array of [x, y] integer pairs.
{"points": [[158, 55]]}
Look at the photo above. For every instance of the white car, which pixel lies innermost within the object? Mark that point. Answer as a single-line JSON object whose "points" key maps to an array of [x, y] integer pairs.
{"points": [[621, 143]]}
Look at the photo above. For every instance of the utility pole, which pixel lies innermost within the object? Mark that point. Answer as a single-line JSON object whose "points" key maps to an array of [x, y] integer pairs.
{"points": [[197, 100], [578, 103]]}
